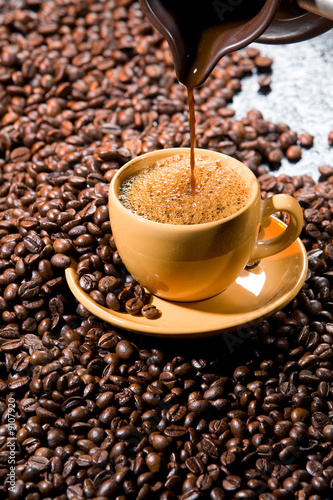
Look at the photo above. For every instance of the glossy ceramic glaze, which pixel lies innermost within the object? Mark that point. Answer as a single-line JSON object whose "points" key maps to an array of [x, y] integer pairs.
{"points": [[256, 294], [213, 41], [195, 262], [278, 22]]}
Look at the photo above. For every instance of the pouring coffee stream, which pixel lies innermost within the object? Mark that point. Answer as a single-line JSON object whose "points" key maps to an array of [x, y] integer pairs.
{"points": [[191, 106], [201, 32]]}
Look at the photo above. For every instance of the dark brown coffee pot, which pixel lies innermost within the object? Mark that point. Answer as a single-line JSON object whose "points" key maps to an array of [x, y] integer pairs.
{"points": [[200, 32], [295, 21]]}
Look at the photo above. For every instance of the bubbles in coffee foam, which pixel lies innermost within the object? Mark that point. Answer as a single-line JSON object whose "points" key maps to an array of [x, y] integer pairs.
{"points": [[162, 192]]}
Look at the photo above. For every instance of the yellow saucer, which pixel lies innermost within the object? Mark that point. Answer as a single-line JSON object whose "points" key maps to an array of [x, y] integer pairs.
{"points": [[256, 294]]}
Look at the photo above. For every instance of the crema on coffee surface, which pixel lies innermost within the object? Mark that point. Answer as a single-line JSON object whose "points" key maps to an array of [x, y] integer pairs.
{"points": [[162, 191]]}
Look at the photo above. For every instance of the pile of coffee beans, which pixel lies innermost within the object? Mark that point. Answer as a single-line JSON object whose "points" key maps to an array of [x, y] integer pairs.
{"points": [[92, 412], [103, 282]]}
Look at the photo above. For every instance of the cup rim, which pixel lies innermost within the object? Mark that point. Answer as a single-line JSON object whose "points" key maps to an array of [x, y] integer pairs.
{"points": [[163, 153]]}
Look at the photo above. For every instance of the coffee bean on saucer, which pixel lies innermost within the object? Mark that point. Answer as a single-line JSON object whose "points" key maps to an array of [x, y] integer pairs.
{"points": [[112, 302], [133, 305], [88, 282], [150, 311], [108, 284]]}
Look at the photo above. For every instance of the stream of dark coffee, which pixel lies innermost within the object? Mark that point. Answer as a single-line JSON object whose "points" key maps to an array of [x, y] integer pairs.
{"points": [[199, 42], [191, 107], [202, 31]]}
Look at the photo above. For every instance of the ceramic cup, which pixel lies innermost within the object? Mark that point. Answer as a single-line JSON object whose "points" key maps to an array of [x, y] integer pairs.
{"points": [[195, 262]]}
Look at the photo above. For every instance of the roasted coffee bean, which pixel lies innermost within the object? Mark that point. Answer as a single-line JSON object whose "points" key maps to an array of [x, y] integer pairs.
{"points": [[109, 284], [275, 156], [319, 420], [328, 432], [263, 62], [29, 290], [150, 311], [231, 483], [160, 442], [88, 282], [62, 245], [112, 302], [133, 305], [264, 81], [294, 153], [217, 493], [100, 414], [306, 140], [60, 260]]}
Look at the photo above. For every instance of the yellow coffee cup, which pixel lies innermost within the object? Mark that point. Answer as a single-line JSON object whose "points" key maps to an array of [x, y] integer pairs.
{"points": [[197, 261]]}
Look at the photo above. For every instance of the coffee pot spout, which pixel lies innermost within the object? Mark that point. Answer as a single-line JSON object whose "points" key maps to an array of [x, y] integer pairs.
{"points": [[200, 32]]}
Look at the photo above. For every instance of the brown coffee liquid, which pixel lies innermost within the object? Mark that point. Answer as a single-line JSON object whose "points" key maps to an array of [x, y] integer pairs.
{"points": [[200, 29], [162, 192], [198, 35], [191, 106]]}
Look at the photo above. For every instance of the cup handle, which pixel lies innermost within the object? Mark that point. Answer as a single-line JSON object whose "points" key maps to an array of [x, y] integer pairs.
{"points": [[278, 203]]}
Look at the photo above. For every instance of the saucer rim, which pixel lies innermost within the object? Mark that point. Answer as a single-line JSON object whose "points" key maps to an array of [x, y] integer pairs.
{"points": [[139, 324]]}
